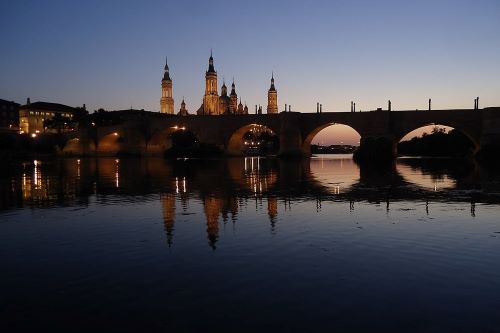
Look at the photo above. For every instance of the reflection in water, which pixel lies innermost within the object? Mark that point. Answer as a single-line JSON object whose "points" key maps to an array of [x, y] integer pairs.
{"points": [[336, 172], [324, 238], [168, 210], [225, 186]]}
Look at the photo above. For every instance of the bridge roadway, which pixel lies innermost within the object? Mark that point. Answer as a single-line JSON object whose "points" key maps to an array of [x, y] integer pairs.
{"points": [[148, 133]]}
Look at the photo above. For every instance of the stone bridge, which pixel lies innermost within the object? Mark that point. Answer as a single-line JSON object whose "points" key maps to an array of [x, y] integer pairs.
{"points": [[149, 133]]}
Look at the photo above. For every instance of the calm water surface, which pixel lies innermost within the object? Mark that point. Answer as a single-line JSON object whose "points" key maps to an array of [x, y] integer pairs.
{"points": [[246, 245]]}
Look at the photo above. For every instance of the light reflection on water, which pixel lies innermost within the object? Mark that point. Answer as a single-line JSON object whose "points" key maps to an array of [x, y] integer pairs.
{"points": [[245, 243]]}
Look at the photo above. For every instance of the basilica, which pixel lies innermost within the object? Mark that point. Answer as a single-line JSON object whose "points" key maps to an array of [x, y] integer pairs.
{"points": [[213, 103]]}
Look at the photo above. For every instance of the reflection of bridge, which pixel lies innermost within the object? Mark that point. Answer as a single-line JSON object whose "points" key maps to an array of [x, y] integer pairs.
{"points": [[148, 133], [225, 186]]}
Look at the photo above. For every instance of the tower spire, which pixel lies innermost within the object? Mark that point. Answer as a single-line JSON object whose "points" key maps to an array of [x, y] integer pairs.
{"points": [[272, 88], [166, 74], [233, 88], [211, 68]]}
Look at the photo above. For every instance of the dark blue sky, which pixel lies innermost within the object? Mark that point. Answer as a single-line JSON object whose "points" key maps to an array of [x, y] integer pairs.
{"points": [[111, 53]]}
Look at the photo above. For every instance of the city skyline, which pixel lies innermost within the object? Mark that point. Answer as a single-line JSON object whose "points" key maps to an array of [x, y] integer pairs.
{"points": [[112, 57]]}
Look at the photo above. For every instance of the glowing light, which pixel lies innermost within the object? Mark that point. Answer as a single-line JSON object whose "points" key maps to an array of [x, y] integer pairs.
{"points": [[33, 135], [117, 174], [115, 134], [37, 175]]}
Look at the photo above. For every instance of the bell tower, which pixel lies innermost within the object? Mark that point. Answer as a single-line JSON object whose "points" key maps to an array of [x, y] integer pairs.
{"points": [[233, 105], [166, 101], [272, 98], [211, 97]]}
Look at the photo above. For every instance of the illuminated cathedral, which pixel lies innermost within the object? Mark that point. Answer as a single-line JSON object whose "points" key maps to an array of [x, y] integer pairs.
{"points": [[213, 104]]}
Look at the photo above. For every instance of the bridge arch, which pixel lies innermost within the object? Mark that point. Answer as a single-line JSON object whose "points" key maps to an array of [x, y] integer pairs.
{"points": [[161, 140], [309, 136], [110, 144], [236, 143], [474, 139], [75, 146]]}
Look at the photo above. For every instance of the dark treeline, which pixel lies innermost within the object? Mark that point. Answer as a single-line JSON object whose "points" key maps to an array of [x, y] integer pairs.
{"points": [[439, 143]]}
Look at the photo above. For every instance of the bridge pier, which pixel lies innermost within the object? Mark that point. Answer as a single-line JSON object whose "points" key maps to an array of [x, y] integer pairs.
{"points": [[489, 141], [376, 149], [290, 135]]}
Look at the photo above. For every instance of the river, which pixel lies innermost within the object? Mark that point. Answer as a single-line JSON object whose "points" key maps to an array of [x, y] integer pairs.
{"points": [[249, 244]]}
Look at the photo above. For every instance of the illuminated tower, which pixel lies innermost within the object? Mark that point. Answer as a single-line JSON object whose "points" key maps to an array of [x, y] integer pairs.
{"points": [[211, 97], [224, 100], [234, 99], [272, 98], [166, 101], [240, 108], [183, 111]]}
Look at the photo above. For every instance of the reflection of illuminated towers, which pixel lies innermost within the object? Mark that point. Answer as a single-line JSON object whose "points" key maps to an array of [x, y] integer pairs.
{"points": [[168, 208], [272, 211], [213, 208], [230, 206]]}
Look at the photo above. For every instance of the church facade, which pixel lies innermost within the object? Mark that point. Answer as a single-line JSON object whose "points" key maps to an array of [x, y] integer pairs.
{"points": [[213, 103]]}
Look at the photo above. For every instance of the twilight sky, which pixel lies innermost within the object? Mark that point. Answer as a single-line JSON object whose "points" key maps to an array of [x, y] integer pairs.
{"points": [[111, 54]]}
